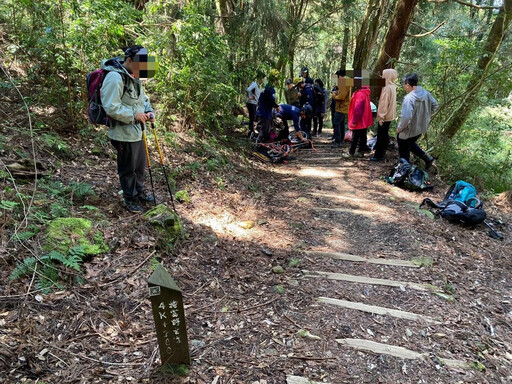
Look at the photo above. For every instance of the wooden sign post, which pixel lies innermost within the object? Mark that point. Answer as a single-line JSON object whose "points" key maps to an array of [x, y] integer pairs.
{"points": [[169, 314]]}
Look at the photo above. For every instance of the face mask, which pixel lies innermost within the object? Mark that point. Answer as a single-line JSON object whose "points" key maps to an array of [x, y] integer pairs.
{"points": [[143, 65]]}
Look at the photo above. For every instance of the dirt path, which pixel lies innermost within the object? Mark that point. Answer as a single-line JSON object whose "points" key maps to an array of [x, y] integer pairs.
{"points": [[372, 291]]}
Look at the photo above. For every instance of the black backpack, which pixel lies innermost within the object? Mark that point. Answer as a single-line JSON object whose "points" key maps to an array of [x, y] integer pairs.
{"points": [[460, 213], [409, 176]]}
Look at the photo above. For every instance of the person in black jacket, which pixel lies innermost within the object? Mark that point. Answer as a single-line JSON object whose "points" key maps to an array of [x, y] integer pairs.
{"points": [[320, 95], [304, 73]]}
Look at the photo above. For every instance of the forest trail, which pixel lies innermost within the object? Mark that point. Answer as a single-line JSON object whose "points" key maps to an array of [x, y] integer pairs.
{"points": [[339, 278], [325, 159]]}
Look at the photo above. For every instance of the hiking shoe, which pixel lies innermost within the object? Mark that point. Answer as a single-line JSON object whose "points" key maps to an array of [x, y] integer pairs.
{"points": [[335, 144], [428, 161], [143, 197], [357, 154], [133, 207], [374, 158]]}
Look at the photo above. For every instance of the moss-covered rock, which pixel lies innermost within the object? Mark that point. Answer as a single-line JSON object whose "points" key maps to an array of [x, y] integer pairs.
{"points": [[183, 197], [65, 233], [167, 223]]}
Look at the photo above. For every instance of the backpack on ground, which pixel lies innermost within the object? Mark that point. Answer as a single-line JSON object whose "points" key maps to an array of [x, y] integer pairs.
{"points": [[409, 177], [460, 205], [95, 111]]}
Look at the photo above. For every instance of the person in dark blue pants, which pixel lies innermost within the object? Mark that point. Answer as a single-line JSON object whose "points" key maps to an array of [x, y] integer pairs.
{"points": [[291, 112]]}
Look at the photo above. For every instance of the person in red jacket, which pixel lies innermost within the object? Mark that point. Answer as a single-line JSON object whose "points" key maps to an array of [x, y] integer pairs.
{"points": [[359, 119]]}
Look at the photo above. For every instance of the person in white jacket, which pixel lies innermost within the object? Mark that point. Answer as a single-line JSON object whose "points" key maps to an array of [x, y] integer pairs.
{"points": [[417, 110], [128, 108], [253, 95]]}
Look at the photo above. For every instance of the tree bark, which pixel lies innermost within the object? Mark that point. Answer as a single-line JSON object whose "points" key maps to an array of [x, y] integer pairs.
{"points": [[390, 51], [498, 30], [368, 32], [344, 47]]}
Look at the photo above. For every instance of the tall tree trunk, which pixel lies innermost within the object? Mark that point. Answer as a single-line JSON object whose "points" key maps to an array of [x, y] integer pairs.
{"points": [[390, 51], [499, 29], [222, 11], [344, 47], [368, 32]]}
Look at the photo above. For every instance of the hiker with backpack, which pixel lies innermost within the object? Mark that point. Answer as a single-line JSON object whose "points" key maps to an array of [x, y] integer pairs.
{"points": [[386, 113], [320, 107], [128, 109], [359, 120], [253, 95], [417, 109]]}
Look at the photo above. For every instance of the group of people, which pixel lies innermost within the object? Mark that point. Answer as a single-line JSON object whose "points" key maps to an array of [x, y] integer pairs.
{"points": [[307, 101], [306, 104], [128, 108]]}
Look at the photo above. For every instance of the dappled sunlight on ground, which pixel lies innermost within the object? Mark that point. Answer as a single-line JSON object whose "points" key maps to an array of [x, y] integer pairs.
{"points": [[318, 172], [310, 171]]}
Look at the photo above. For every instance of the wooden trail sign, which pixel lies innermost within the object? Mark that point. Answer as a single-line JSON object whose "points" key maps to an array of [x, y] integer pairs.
{"points": [[169, 314]]}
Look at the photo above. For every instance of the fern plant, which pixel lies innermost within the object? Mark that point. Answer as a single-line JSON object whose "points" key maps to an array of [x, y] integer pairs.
{"points": [[82, 190], [8, 205], [48, 275]]}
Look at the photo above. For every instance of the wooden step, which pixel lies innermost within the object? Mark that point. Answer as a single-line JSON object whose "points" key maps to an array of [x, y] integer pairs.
{"points": [[378, 310], [320, 159], [302, 380], [393, 350], [371, 280], [345, 256], [346, 210], [340, 197]]}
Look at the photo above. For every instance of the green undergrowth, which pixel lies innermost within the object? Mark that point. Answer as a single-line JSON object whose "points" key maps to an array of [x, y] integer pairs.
{"points": [[54, 222], [481, 153]]}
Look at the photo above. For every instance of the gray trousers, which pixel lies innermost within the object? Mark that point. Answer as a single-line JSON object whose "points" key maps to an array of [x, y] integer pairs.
{"points": [[131, 162]]}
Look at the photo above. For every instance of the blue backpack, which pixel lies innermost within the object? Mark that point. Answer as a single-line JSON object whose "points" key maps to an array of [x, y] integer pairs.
{"points": [[460, 205], [464, 192]]}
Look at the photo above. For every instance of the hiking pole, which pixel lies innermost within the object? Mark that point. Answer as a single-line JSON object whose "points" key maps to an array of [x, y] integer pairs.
{"points": [[163, 165], [149, 160], [493, 232]]}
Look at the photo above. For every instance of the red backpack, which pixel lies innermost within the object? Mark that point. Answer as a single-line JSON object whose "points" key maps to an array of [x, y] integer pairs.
{"points": [[95, 111]]}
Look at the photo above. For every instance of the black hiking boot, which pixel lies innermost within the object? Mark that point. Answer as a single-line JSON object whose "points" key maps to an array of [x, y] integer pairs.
{"points": [[335, 144], [145, 198], [132, 206], [428, 161]]}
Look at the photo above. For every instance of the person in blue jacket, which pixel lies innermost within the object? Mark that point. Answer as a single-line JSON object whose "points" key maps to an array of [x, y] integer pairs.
{"points": [[291, 112], [266, 103], [306, 97]]}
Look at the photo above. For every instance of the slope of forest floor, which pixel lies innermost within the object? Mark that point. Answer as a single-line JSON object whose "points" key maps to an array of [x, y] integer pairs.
{"points": [[247, 321]]}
